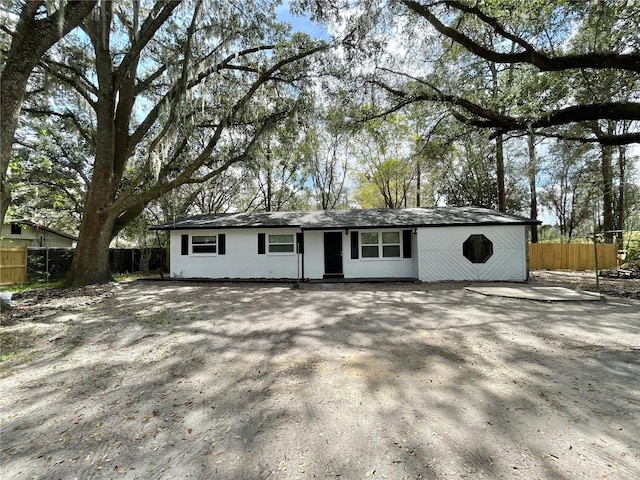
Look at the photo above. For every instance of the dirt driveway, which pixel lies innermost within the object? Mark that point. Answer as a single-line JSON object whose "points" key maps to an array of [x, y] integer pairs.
{"points": [[177, 380]]}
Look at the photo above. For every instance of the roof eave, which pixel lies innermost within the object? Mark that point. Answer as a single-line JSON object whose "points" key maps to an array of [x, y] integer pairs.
{"points": [[344, 227], [422, 225], [218, 227], [42, 227]]}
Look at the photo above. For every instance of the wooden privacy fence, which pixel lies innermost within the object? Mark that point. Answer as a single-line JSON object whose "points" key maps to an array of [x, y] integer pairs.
{"points": [[13, 265], [571, 256]]}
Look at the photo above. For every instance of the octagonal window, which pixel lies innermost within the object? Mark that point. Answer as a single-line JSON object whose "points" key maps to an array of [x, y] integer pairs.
{"points": [[477, 248]]}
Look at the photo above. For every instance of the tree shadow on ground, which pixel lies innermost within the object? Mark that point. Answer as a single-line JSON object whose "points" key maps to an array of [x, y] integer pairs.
{"points": [[247, 381]]}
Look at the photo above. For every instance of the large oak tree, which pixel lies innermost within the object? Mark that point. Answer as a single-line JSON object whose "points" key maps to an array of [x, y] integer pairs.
{"points": [[37, 29], [171, 93]]}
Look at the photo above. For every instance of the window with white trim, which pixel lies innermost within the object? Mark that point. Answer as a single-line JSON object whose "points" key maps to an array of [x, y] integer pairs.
{"points": [[380, 244], [204, 244], [282, 243]]}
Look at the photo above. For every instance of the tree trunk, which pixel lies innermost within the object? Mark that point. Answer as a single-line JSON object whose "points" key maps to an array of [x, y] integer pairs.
{"points": [[418, 181], [91, 258], [31, 39], [607, 194], [533, 170], [268, 199], [12, 87], [502, 196], [621, 200]]}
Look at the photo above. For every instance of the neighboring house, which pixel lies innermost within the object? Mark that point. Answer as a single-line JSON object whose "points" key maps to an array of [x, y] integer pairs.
{"points": [[428, 244], [26, 232]]}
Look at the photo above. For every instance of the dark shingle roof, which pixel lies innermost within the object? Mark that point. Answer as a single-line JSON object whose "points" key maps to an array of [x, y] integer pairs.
{"points": [[339, 219], [36, 226]]}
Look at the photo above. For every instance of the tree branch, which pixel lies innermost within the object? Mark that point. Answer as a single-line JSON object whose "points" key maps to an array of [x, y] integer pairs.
{"points": [[86, 84], [608, 140], [482, 117], [143, 85], [46, 112], [544, 63], [161, 11], [128, 199]]}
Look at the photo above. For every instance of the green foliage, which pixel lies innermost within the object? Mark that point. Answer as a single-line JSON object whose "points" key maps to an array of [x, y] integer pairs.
{"points": [[49, 177], [387, 166], [631, 243], [570, 186], [204, 135], [36, 269]]}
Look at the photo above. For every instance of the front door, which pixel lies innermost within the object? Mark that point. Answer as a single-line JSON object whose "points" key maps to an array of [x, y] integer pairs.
{"points": [[333, 255]]}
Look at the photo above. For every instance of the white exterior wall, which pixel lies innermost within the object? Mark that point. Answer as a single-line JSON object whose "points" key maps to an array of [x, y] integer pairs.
{"points": [[354, 268], [314, 253], [440, 254], [436, 256], [415, 256], [241, 259]]}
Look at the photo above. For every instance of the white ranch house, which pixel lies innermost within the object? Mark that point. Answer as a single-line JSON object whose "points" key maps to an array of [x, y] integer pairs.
{"points": [[426, 244]]}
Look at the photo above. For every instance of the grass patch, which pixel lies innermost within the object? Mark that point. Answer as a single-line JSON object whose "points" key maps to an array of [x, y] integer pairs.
{"points": [[131, 277], [24, 287], [9, 356], [16, 346], [157, 320]]}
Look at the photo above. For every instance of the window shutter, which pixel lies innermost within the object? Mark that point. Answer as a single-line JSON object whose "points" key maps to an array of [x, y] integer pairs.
{"points": [[261, 243], [185, 245], [406, 243], [354, 245], [300, 242], [222, 244]]}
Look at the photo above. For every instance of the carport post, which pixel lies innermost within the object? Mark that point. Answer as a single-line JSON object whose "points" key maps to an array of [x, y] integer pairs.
{"points": [[298, 267]]}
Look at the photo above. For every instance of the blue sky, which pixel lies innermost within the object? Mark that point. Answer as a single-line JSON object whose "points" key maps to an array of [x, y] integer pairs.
{"points": [[301, 24]]}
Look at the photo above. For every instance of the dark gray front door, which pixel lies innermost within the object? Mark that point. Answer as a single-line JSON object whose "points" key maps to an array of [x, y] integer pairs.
{"points": [[333, 254]]}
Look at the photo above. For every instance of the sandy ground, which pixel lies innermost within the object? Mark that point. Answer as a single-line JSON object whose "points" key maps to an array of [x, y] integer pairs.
{"points": [[614, 287], [168, 380]]}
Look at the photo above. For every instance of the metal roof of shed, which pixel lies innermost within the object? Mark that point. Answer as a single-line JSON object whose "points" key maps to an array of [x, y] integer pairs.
{"points": [[351, 219]]}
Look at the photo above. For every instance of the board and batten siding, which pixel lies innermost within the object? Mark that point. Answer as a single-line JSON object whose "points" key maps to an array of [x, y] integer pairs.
{"points": [[241, 258], [440, 255]]}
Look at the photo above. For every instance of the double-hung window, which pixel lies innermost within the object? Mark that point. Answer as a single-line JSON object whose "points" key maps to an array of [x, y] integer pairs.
{"points": [[380, 244], [370, 244], [204, 244], [391, 244], [282, 243]]}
